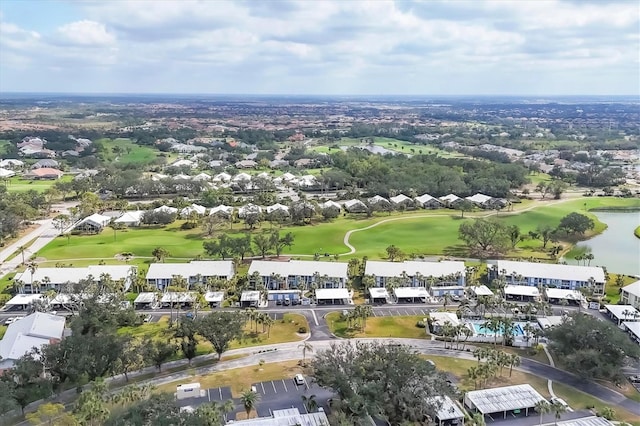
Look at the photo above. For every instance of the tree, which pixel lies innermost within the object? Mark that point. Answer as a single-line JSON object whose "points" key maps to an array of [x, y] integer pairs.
{"points": [[160, 254], [220, 328], [592, 348], [278, 242], [393, 253], [545, 233], [607, 412], [116, 227], [263, 244], [465, 206], [50, 414], [159, 352], [389, 381], [61, 222], [542, 407], [310, 403], [306, 347], [558, 409], [557, 187], [186, 333], [514, 235], [91, 407], [543, 189], [484, 236], [576, 223], [249, 400]]}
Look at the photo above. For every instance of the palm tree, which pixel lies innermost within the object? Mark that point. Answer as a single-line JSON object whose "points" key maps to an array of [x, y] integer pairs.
{"points": [[558, 409], [477, 419], [310, 403], [514, 361], [21, 250], [306, 347], [446, 299], [365, 312], [607, 412], [542, 407], [268, 321], [249, 400]]}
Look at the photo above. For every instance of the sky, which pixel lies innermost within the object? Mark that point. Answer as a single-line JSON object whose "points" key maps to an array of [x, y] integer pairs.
{"points": [[377, 47]]}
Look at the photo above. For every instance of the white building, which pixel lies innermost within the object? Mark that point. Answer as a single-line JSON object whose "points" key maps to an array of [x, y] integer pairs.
{"points": [[426, 201], [446, 277], [622, 313], [288, 416], [193, 208], [161, 275], [630, 294], [44, 279], [32, 331], [94, 223], [571, 277], [131, 219], [498, 402], [221, 210]]}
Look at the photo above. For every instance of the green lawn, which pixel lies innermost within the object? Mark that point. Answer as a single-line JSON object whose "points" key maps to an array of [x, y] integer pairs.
{"points": [[17, 184], [612, 291], [401, 326], [129, 152], [3, 329], [282, 331], [432, 232]]}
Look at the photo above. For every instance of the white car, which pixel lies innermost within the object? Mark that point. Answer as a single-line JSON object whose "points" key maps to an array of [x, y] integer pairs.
{"points": [[299, 379], [556, 400], [10, 321]]}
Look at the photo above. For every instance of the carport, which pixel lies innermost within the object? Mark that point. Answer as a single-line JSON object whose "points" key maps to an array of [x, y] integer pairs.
{"points": [[481, 290], [523, 293], [622, 313], [181, 299], [448, 413], [333, 296], [214, 298], [411, 294], [515, 399], [378, 294], [250, 298], [145, 300], [21, 302], [557, 295], [283, 294]]}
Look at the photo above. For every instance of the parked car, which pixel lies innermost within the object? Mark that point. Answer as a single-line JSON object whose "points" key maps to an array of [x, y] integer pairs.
{"points": [[294, 302], [147, 318], [279, 302], [287, 301], [10, 321], [560, 401], [299, 379]]}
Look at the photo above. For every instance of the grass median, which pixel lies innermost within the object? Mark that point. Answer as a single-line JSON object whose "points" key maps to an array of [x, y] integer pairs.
{"points": [[397, 326]]}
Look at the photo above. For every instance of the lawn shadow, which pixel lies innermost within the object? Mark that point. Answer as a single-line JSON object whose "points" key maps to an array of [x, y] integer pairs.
{"points": [[457, 250]]}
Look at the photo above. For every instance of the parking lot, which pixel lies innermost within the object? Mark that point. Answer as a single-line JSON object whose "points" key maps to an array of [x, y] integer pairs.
{"points": [[274, 395]]}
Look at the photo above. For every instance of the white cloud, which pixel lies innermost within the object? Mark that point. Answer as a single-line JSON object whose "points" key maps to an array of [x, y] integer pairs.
{"points": [[86, 33], [310, 46]]}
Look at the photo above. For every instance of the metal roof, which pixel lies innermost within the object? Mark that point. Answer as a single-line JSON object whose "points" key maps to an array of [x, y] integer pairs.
{"points": [[332, 293], [287, 417], [502, 399], [205, 268], [552, 271], [31, 331], [250, 296], [522, 290], [446, 409], [302, 268], [74, 275], [633, 288], [145, 297], [482, 290], [586, 421], [410, 292], [560, 293], [378, 292], [214, 296], [412, 268], [619, 311]]}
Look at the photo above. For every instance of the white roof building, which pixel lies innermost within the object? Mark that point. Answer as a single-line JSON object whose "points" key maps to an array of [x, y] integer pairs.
{"points": [[166, 209], [299, 268], [214, 296], [183, 163], [630, 294], [378, 293], [446, 409], [559, 294], [521, 290], [201, 177], [479, 199], [277, 206], [178, 297], [287, 417], [377, 199], [249, 209], [501, 400], [449, 198], [551, 271], [32, 331], [132, 218], [222, 177], [412, 268], [222, 210], [10, 163], [288, 176], [191, 270], [5, 173], [241, 176], [438, 319], [426, 198], [410, 293], [341, 294], [623, 313], [58, 276], [354, 205], [481, 290], [330, 204], [193, 208], [633, 327], [23, 300], [95, 220], [401, 198]]}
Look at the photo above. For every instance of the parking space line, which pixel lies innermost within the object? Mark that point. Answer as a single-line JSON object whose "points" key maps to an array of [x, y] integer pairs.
{"points": [[285, 386], [274, 386], [262, 386], [220, 391], [209, 394], [406, 312]]}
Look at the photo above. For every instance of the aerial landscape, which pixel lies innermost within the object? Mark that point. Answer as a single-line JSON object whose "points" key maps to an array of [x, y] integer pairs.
{"points": [[320, 213]]}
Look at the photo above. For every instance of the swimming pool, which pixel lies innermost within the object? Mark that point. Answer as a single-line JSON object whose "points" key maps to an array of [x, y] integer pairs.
{"points": [[518, 329]]}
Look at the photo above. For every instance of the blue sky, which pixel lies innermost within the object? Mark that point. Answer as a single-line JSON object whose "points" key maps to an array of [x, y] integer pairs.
{"points": [[507, 47]]}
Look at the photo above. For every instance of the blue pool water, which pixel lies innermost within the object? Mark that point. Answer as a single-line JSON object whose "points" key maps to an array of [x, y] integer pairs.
{"points": [[477, 326]]}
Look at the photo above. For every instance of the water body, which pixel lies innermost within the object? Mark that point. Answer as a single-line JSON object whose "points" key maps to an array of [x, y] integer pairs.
{"points": [[616, 248], [374, 149]]}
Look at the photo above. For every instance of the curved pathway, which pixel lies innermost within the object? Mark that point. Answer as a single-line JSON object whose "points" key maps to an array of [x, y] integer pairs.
{"points": [[353, 250]]}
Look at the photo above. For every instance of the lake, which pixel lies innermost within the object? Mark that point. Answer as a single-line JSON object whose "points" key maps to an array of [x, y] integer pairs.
{"points": [[616, 248]]}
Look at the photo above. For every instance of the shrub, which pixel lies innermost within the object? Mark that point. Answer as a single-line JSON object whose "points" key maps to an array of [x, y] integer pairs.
{"points": [[302, 330], [421, 324], [189, 225]]}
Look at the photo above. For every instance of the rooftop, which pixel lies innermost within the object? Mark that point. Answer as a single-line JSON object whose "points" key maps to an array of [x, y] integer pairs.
{"points": [[300, 268], [205, 268], [410, 292], [412, 268], [31, 331], [633, 288], [287, 417], [332, 294], [623, 312], [552, 271], [559, 293], [482, 290], [522, 290], [506, 398]]}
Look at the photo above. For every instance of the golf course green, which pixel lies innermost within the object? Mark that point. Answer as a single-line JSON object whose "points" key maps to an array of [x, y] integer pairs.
{"points": [[421, 232]]}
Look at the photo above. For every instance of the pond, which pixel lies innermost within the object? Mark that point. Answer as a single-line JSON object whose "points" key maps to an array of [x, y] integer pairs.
{"points": [[616, 248]]}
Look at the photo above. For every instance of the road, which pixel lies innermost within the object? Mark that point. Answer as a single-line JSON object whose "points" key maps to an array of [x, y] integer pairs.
{"points": [[45, 233]]}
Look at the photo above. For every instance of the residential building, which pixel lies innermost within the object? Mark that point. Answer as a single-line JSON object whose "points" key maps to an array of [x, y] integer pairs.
{"points": [[221, 210], [43, 173], [131, 219], [296, 275], [622, 313], [498, 402], [94, 223], [426, 201], [32, 331], [630, 294], [451, 200], [45, 163], [6, 173], [438, 320], [448, 412], [44, 279], [570, 277], [446, 277], [401, 201], [193, 208], [249, 209], [161, 275], [355, 206], [246, 164], [288, 416]]}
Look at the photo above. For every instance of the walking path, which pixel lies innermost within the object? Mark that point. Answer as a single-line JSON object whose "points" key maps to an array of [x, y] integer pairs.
{"points": [[553, 364]]}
